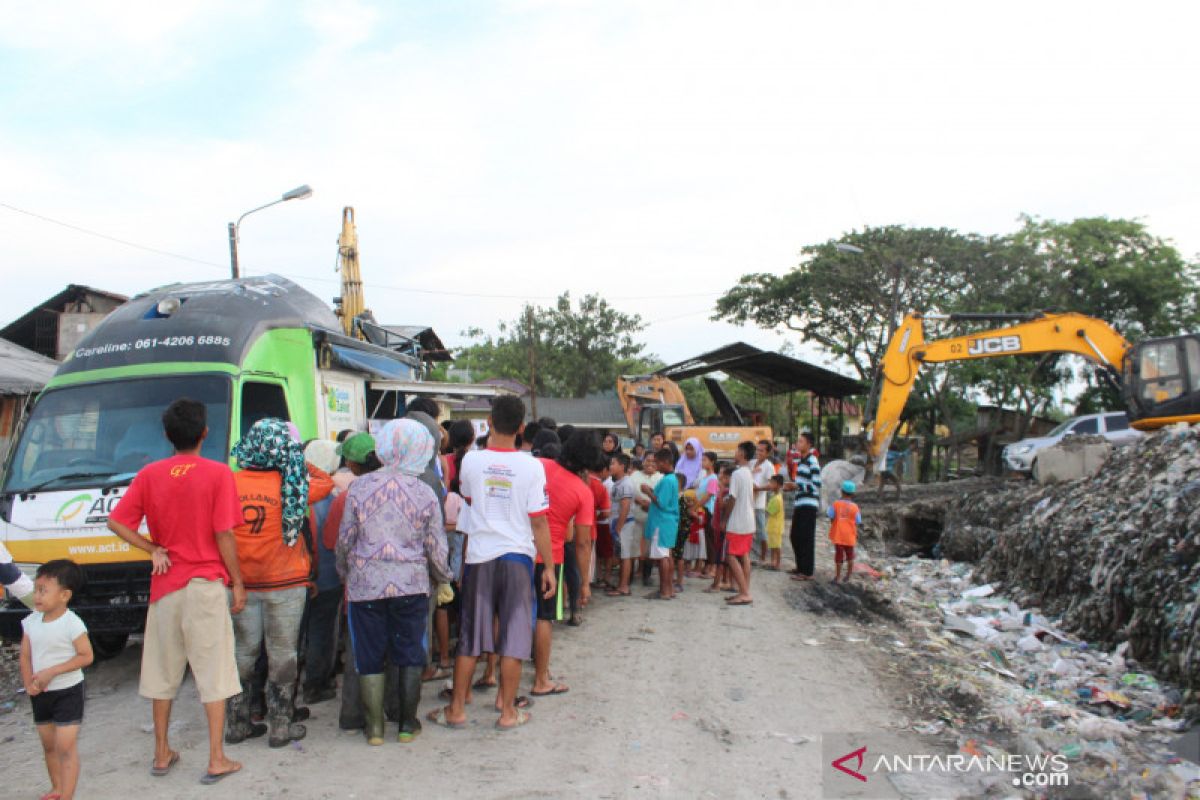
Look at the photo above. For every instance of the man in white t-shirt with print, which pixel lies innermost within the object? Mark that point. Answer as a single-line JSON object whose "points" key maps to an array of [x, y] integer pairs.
{"points": [[740, 528], [507, 527]]}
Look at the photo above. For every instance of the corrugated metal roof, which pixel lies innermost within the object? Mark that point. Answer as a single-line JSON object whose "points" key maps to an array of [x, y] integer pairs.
{"points": [[23, 371]]}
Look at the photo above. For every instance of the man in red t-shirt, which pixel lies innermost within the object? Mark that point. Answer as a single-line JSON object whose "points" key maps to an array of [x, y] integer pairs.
{"points": [[570, 499], [190, 506]]}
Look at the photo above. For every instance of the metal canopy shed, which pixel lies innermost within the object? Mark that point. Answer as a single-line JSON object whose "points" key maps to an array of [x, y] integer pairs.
{"points": [[770, 373]]}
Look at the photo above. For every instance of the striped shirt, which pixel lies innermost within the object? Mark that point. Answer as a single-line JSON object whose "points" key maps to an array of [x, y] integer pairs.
{"points": [[808, 482]]}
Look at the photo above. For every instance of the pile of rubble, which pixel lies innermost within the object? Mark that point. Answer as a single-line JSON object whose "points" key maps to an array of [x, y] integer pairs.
{"points": [[1001, 678]]}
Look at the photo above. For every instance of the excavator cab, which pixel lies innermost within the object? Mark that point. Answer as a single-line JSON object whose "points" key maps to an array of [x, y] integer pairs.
{"points": [[1162, 379], [656, 418]]}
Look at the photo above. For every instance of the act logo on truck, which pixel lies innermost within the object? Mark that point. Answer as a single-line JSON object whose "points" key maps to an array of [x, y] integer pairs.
{"points": [[98, 509], [994, 344], [71, 509]]}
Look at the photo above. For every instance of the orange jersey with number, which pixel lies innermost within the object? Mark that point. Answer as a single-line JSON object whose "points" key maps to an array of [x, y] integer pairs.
{"points": [[267, 562]]}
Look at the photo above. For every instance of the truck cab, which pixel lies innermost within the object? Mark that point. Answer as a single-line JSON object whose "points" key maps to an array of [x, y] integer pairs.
{"points": [[248, 349]]}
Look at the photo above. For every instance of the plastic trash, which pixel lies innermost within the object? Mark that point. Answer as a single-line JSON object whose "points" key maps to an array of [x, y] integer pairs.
{"points": [[1139, 680], [980, 591]]}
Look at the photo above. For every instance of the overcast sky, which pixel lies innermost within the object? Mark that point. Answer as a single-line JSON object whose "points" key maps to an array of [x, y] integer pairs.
{"points": [[649, 151]]}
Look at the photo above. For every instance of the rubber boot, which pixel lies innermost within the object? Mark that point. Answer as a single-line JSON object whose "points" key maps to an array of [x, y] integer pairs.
{"points": [[391, 693], [371, 688], [279, 716], [238, 727], [410, 698], [350, 716]]}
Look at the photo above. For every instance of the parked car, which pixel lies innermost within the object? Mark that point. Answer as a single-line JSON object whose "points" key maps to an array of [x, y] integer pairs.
{"points": [[1113, 425]]}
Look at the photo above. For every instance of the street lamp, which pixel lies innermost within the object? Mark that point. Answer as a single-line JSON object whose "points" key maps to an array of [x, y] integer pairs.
{"points": [[299, 193]]}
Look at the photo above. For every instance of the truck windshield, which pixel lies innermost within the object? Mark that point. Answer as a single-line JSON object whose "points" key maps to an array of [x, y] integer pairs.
{"points": [[103, 433]]}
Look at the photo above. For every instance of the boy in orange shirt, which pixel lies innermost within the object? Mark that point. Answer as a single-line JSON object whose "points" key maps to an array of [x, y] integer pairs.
{"points": [[843, 531]]}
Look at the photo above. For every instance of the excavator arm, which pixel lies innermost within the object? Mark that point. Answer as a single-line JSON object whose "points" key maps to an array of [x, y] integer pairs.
{"points": [[1034, 333]]}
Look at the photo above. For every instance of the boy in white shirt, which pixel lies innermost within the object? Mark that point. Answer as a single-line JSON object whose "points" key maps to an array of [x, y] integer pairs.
{"points": [[54, 651]]}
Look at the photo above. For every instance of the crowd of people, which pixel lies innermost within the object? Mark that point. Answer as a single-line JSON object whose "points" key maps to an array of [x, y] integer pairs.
{"points": [[424, 551]]}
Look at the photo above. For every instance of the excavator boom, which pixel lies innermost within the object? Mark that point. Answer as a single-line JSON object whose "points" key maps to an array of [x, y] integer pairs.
{"points": [[351, 304], [1036, 333]]}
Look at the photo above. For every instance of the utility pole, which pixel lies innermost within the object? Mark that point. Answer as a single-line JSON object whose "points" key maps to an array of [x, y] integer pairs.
{"points": [[530, 333]]}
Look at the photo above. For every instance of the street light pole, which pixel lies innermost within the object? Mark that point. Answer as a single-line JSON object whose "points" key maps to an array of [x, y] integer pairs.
{"points": [[299, 193]]}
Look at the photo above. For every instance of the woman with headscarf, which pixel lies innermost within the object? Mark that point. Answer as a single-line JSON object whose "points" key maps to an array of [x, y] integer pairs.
{"points": [[273, 486], [612, 445], [390, 542], [691, 463]]}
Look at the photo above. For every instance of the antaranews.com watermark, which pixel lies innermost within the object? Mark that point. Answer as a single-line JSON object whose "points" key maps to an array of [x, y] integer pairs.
{"points": [[860, 765]]}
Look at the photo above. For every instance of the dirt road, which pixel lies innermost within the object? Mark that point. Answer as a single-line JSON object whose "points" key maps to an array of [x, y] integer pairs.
{"points": [[687, 698]]}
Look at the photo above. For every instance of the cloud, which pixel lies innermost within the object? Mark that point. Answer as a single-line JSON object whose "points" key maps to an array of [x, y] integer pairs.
{"points": [[637, 150]]}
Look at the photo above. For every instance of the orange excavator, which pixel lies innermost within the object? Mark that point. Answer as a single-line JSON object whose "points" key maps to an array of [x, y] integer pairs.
{"points": [[1159, 379], [655, 404]]}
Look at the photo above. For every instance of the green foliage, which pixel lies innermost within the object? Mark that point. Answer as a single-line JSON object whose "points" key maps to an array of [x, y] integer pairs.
{"points": [[1111, 269], [576, 348]]}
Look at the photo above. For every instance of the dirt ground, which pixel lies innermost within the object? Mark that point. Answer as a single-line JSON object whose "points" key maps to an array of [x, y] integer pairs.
{"points": [[688, 698]]}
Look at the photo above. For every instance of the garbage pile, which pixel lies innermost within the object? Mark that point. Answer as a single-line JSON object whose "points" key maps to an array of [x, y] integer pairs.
{"points": [[1006, 678], [1115, 556]]}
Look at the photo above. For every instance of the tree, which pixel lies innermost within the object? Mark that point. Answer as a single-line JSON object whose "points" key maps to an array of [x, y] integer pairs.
{"points": [[574, 349], [850, 302]]}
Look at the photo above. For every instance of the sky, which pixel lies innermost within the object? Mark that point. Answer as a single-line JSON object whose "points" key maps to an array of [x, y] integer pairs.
{"points": [[503, 152]]}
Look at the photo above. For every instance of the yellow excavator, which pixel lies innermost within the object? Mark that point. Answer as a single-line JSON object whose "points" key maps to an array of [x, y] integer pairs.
{"points": [[1159, 379]]}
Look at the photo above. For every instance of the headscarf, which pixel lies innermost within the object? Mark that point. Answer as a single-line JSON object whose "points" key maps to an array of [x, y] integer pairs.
{"points": [[404, 446], [323, 454], [690, 468], [270, 446]]}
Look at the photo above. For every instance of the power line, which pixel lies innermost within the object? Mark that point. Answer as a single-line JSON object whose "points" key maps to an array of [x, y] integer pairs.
{"points": [[372, 285], [99, 235]]}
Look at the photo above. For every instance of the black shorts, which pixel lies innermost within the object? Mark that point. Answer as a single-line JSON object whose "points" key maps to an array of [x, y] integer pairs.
{"points": [[59, 706], [548, 610]]}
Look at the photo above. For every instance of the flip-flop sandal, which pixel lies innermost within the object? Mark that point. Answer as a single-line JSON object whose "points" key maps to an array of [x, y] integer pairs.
{"points": [[740, 603], [711, 590], [615, 593], [522, 718], [159, 772], [447, 694], [481, 685], [51, 796], [438, 717], [439, 674], [558, 689], [209, 778]]}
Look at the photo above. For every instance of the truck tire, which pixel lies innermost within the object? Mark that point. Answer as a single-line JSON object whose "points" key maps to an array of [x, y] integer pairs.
{"points": [[108, 645]]}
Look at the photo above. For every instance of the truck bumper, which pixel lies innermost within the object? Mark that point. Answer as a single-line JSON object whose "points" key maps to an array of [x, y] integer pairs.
{"points": [[114, 600]]}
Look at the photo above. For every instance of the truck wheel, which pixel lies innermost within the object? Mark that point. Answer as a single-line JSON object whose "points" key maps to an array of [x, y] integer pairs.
{"points": [[108, 645]]}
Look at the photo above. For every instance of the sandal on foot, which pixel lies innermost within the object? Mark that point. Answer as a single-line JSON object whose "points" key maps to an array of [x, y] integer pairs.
{"points": [[482, 685], [159, 772], [522, 718], [618, 593], [438, 717], [209, 778], [558, 688], [440, 673]]}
